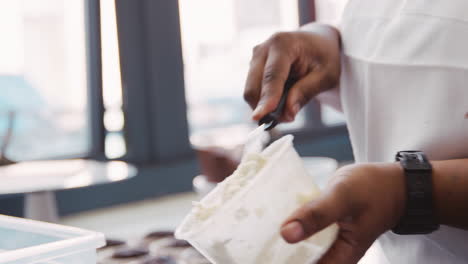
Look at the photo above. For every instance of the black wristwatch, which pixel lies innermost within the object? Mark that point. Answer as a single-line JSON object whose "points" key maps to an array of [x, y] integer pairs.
{"points": [[419, 216]]}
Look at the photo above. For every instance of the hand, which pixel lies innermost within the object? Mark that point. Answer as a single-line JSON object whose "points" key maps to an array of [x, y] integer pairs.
{"points": [[312, 58], [365, 200]]}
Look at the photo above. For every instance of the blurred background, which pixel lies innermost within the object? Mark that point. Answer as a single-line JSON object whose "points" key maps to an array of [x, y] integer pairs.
{"points": [[155, 84]]}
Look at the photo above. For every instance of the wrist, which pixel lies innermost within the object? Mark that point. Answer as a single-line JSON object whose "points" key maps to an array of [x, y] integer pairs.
{"points": [[442, 190], [396, 173], [450, 197], [384, 185]]}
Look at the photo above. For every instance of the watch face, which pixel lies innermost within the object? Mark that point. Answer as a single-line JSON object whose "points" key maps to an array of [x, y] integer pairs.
{"points": [[414, 161]]}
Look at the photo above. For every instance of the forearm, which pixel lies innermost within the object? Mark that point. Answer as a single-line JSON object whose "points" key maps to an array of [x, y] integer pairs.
{"points": [[450, 181]]}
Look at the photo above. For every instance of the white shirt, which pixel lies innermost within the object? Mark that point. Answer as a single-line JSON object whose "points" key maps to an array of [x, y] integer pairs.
{"points": [[404, 86]]}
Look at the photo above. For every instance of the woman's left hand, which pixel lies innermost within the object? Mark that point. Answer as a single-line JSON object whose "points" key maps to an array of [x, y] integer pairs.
{"points": [[365, 200]]}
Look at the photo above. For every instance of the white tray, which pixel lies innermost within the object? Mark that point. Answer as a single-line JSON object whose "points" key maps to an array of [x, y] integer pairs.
{"points": [[25, 241]]}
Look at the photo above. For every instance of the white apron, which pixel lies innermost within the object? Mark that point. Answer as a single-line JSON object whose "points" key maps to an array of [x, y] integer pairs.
{"points": [[404, 86]]}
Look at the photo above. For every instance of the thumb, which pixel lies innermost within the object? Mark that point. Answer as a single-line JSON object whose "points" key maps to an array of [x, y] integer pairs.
{"points": [[314, 216]]}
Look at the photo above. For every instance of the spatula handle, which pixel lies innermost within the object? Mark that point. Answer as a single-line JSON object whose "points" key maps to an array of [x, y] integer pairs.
{"points": [[272, 119]]}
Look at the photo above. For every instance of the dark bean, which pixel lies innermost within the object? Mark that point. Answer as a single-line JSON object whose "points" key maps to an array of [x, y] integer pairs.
{"points": [[177, 243], [160, 260], [113, 243], [128, 252], [159, 234]]}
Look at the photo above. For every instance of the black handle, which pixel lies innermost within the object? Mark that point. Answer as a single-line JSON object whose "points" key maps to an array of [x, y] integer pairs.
{"points": [[272, 119]]}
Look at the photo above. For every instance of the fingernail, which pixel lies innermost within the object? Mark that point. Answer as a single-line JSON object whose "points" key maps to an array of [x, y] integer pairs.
{"points": [[293, 232], [296, 108], [257, 110], [289, 118]]}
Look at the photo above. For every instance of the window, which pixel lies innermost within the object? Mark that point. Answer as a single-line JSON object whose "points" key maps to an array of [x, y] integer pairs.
{"points": [[111, 82], [43, 79]]}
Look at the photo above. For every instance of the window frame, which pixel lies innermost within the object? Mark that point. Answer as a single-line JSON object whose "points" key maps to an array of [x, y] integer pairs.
{"points": [[94, 75], [306, 11], [152, 81]]}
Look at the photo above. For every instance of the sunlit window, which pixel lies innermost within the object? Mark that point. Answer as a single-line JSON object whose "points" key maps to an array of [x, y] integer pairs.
{"points": [[111, 82], [43, 88]]}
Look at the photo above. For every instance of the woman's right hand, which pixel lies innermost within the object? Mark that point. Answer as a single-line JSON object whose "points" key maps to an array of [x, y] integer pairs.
{"points": [[311, 57]]}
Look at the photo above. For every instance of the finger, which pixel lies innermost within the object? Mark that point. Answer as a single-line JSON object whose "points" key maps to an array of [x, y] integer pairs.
{"points": [[253, 84], [343, 251], [302, 92], [315, 216], [275, 74]]}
